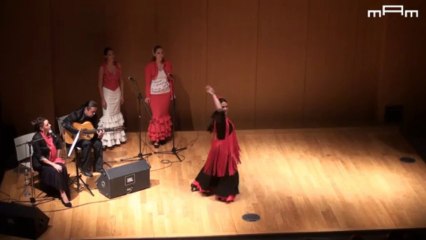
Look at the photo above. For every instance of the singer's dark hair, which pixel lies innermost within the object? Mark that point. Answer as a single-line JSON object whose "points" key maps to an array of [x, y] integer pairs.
{"points": [[210, 126], [90, 104], [38, 123], [154, 49], [106, 50]]}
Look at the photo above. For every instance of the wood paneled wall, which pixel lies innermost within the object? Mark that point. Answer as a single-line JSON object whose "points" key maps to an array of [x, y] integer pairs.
{"points": [[402, 78], [280, 63], [26, 63]]}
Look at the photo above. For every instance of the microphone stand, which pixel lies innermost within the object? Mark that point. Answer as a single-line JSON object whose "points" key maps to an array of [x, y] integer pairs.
{"points": [[32, 198], [174, 150], [140, 155]]}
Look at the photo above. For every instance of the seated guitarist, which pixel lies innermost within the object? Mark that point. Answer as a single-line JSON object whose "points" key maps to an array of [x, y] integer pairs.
{"points": [[87, 113]]}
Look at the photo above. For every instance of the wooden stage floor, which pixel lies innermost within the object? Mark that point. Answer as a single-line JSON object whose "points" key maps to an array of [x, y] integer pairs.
{"points": [[297, 180]]}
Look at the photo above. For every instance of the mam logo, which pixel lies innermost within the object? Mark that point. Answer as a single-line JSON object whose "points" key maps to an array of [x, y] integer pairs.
{"points": [[393, 9]]}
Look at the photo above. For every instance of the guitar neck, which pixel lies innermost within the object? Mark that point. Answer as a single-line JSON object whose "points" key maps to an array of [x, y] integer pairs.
{"points": [[89, 131], [105, 129]]}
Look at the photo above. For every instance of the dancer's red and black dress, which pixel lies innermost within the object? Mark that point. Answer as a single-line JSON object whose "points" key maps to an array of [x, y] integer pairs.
{"points": [[219, 174]]}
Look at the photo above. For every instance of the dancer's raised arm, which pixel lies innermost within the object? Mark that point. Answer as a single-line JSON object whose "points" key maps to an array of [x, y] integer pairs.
{"points": [[210, 90]]}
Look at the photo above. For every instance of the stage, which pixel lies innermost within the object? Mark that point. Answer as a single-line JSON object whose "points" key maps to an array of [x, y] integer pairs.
{"points": [[297, 180]]}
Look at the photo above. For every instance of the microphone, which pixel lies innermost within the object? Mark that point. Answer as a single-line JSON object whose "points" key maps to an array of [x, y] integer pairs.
{"points": [[131, 78], [52, 133]]}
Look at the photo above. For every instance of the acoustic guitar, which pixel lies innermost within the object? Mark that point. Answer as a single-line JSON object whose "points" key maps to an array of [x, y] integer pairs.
{"points": [[87, 131]]}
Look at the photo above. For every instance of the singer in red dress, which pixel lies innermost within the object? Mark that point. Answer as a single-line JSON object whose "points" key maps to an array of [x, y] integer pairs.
{"points": [[159, 92], [219, 174], [47, 161]]}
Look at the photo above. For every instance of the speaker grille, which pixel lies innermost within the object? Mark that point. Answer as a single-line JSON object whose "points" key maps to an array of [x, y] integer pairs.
{"points": [[124, 179]]}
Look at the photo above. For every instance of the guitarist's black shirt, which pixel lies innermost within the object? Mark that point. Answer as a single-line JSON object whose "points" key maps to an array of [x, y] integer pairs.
{"points": [[78, 116]]}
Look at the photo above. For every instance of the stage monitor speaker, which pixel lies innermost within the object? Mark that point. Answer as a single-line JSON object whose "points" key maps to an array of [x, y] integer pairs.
{"points": [[124, 179], [22, 221]]}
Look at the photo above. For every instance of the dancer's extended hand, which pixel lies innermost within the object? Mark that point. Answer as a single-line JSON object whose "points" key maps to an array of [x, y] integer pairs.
{"points": [[209, 89]]}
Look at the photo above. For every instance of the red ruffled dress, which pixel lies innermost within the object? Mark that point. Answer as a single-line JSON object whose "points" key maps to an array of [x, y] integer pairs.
{"points": [[159, 88], [219, 174]]}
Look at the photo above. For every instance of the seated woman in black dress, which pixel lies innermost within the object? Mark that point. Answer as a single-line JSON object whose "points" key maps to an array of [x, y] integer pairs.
{"points": [[219, 174], [46, 160]]}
